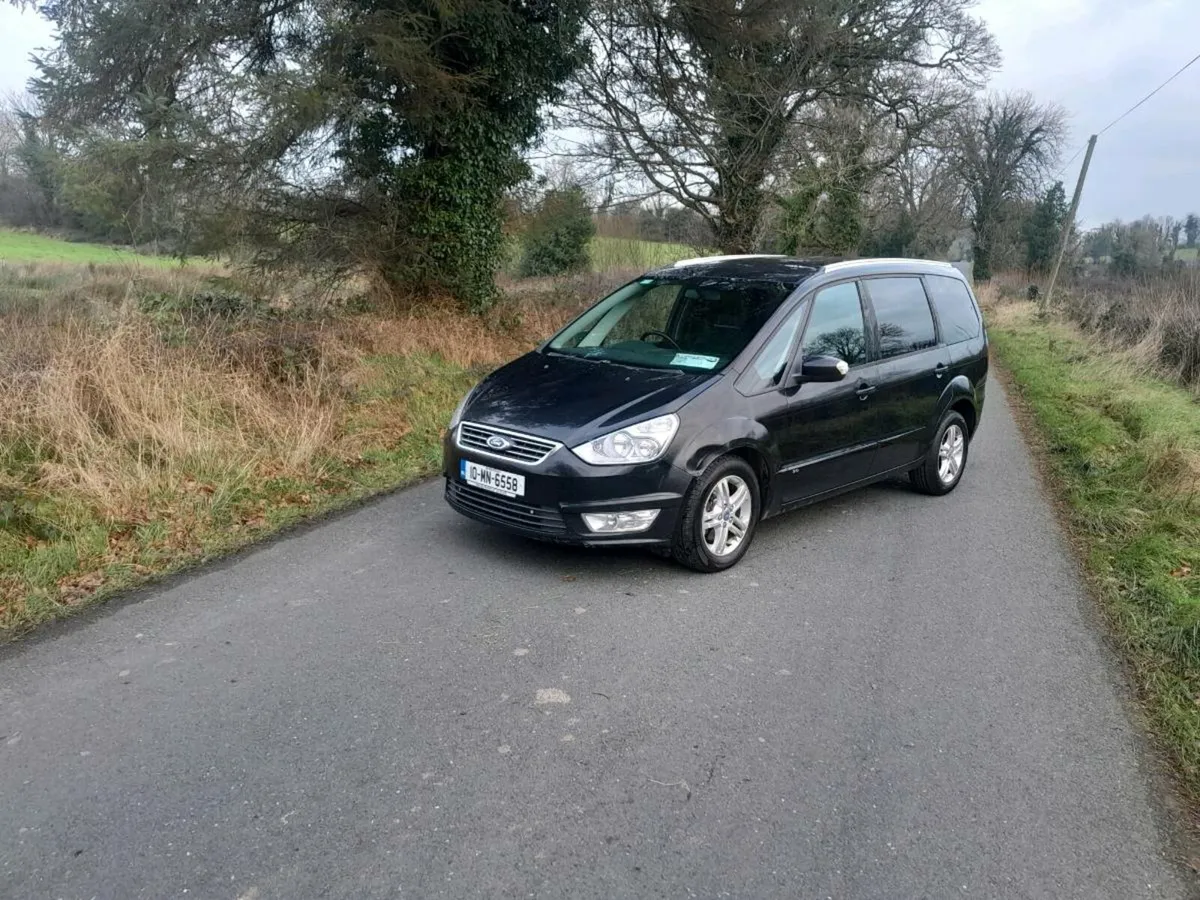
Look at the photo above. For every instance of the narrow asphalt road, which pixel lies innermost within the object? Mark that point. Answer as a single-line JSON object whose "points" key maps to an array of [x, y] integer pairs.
{"points": [[892, 697]]}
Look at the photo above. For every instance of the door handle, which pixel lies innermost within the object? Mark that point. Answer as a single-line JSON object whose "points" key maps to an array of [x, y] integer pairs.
{"points": [[865, 390], [939, 370]]}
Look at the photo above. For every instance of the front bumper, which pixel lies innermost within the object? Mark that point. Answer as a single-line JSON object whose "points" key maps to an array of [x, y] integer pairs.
{"points": [[559, 490]]}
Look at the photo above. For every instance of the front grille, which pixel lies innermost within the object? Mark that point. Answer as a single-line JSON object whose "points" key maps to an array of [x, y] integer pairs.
{"points": [[522, 448], [504, 511]]}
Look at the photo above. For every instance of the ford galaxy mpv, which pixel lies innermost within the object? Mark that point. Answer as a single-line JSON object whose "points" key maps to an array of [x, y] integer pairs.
{"points": [[689, 405]]}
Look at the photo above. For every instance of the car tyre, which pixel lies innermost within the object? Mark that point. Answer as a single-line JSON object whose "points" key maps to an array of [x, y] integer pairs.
{"points": [[715, 513], [946, 459]]}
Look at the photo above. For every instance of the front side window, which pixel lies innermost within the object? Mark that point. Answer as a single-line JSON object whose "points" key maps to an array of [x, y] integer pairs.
{"points": [[772, 360], [836, 326], [955, 309], [684, 323], [902, 311]]}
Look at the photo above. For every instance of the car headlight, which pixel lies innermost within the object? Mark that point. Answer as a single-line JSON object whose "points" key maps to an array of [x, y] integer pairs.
{"points": [[462, 405], [640, 443]]}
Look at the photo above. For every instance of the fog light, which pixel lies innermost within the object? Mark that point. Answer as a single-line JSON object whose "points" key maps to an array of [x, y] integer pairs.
{"points": [[620, 522]]}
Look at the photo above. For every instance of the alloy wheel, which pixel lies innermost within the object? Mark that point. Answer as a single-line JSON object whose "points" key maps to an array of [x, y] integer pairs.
{"points": [[728, 510], [951, 453]]}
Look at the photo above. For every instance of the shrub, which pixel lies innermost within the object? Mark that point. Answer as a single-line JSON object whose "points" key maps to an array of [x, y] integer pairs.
{"points": [[557, 240], [1156, 318]]}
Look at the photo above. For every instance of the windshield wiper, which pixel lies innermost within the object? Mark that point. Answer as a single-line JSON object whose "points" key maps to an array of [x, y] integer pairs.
{"points": [[595, 355]]}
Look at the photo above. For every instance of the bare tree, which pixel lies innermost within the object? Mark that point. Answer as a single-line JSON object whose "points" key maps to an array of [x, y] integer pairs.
{"points": [[916, 206], [1005, 147], [1173, 228], [697, 98], [846, 153], [10, 135]]}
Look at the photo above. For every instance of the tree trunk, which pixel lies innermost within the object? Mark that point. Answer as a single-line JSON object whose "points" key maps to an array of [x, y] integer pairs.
{"points": [[740, 204], [983, 258], [735, 235]]}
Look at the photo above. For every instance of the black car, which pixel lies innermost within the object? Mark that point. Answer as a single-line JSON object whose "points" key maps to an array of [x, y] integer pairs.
{"points": [[694, 402]]}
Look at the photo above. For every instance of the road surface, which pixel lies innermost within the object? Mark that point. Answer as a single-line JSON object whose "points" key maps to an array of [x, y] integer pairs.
{"points": [[891, 697]]}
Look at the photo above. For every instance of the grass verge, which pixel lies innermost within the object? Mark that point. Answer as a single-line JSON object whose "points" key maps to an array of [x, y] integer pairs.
{"points": [[1124, 448]]}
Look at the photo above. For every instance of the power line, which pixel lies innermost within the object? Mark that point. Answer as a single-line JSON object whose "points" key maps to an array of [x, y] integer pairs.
{"points": [[1074, 157], [1179, 72], [1186, 66]]}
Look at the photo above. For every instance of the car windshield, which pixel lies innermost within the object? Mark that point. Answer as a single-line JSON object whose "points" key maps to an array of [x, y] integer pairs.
{"points": [[680, 323]]}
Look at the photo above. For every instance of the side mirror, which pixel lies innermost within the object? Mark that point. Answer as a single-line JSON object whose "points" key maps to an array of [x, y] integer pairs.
{"points": [[821, 368]]}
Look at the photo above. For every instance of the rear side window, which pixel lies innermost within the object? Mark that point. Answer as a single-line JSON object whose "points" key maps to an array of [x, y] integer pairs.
{"points": [[955, 309], [902, 311]]}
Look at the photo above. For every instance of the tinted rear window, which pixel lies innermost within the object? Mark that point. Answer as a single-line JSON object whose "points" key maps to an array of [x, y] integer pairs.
{"points": [[902, 311], [956, 313]]}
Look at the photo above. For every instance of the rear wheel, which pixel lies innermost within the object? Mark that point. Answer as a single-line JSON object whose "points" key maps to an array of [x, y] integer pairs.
{"points": [[946, 459], [720, 514]]}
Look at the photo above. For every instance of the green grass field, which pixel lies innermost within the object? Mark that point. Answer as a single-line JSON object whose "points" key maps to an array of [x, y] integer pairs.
{"points": [[609, 254], [1187, 253], [25, 247], [619, 255]]}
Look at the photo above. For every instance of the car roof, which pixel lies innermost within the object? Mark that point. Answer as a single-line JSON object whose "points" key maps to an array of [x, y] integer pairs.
{"points": [[792, 270]]}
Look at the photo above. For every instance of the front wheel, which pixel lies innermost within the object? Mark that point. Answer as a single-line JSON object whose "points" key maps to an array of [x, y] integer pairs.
{"points": [[720, 514], [946, 459]]}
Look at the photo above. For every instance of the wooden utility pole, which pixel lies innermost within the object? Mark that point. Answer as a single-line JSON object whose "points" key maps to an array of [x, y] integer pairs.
{"points": [[1068, 225]]}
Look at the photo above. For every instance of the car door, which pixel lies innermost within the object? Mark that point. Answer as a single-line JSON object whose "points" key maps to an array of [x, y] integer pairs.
{"points": [[827, 437], [911, 371], [959, 326]]}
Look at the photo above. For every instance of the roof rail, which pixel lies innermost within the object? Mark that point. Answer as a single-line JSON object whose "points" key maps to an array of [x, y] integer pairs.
{"points": [[846, 263], [699, 260]]}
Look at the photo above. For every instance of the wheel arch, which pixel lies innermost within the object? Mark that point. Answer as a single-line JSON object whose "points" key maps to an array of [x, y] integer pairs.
{"points": [[746, 439], [959, 397], [758, 461]]}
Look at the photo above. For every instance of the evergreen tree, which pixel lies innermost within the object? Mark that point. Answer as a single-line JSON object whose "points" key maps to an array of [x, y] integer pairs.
{"points": [[558, 235], [1042, 231]]}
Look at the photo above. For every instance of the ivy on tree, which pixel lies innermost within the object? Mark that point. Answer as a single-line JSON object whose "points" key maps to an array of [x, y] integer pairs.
{"points": [[556, 241]]}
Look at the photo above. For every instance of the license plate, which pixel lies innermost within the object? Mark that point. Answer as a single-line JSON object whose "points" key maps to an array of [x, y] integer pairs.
{"points": [[490, 479]]}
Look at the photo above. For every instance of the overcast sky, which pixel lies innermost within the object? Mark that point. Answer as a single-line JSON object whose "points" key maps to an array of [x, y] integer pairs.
{"points": [[1094, 57]]}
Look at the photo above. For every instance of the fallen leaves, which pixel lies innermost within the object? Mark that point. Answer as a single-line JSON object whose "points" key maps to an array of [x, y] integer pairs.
{"points": [[191, 486], [74, 588], [254, 522], [1184, 571]]}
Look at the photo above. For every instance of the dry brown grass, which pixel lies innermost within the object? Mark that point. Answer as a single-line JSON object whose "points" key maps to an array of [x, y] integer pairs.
{"points": [[464, 341], [121, 416], [1155, 322], [471, 342], [52, 292], [530, 311], [1152, 325], [122, 408]]}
